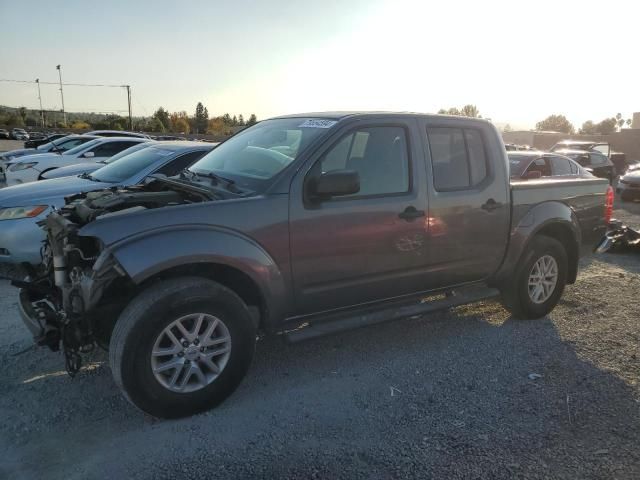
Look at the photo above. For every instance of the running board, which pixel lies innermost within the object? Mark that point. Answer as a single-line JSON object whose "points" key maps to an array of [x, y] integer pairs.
{"points": [[334, 323]]}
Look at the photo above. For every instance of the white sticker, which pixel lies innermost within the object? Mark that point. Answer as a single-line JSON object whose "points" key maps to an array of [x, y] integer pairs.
{"points": [[317, 123]]}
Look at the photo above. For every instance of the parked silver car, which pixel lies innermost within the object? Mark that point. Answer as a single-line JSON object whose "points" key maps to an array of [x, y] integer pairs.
{"points": [[22, 206]]}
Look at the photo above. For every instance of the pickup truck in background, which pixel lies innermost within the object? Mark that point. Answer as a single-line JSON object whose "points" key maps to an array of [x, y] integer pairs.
{"points": [[301, 226]]}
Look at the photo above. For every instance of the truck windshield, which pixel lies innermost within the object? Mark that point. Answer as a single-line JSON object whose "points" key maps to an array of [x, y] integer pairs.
{"points": [[262, 151]]}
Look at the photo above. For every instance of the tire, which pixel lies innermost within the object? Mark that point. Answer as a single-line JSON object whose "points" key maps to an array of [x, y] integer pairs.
{"points": [[516, 296], [144, 322], [625, 197]]}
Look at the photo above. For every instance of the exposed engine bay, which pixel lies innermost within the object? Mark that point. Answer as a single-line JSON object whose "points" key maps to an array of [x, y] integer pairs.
{"points": [[78, 274]]}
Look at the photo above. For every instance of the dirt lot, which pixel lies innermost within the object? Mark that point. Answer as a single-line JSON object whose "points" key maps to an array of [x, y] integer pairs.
{"points": [[446, 396]]}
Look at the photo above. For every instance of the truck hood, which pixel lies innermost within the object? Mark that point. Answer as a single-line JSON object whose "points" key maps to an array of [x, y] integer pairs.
{"points": [[46, 191]]}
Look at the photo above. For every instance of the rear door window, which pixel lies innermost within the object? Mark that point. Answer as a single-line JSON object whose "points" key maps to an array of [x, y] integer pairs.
{"points": [[458, 158]]}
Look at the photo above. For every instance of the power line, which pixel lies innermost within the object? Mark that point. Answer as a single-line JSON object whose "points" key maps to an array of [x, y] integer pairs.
{"points": [[65, 84]]}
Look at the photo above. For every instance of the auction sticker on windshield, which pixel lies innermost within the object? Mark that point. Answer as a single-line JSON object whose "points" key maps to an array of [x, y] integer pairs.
{"points": [[317, 123]]}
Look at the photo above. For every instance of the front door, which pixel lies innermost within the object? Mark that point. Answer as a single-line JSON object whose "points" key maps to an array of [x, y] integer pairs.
{"points": [[366, 246]]}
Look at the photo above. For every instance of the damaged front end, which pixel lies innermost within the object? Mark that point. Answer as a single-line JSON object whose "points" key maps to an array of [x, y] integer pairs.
{"points": [[72, 299]]}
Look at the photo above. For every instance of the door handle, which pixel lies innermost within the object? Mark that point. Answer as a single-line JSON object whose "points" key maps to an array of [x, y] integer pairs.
{"points": [[410, 213], [490, 205]]}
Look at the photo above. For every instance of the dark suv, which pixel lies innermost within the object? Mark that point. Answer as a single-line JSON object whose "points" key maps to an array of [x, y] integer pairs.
{"points": [[593, 161]]}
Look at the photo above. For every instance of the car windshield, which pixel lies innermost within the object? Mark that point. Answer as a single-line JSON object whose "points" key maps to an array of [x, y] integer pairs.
{"points": [[260, 152], [518, 164], [131, 164], [82, 147]]}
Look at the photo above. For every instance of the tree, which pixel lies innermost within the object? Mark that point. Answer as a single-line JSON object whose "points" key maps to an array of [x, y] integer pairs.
{"points": [[588, 128], [629, 122], [507, 128], [556, 123], [252, 120], [201, 118], [226, 119], [241, 120], [451, 111], [607, 126], [162, 116], [180, 122], [15, 120], [470, 111], [466, 111], [80, 125]]}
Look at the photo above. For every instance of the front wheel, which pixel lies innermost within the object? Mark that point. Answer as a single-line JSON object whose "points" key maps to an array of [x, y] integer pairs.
{"points": [[182, 346], [539, 279]]}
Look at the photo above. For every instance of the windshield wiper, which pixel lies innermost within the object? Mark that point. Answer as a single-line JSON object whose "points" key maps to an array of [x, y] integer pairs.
{"points": [[88, 176], [229, 184]]}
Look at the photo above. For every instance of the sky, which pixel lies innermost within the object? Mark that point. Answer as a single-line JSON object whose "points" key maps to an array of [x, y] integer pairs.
{"points": [[518, 61]]}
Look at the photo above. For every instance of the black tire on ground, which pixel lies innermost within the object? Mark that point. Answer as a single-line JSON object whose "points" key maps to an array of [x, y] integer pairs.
{"points": [[515, 294], [142, 321], [625, 197]]}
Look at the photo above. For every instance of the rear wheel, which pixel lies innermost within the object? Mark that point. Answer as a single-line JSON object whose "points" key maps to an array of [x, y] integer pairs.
{"points": [[182, 346], [539, 279]]}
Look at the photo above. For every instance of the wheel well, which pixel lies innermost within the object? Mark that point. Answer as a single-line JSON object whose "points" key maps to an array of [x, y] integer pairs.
{"points": [[232, 278], [565, 236], [45, 171]]}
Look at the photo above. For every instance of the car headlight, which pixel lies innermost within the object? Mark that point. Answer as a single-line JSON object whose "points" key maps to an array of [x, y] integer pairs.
{"points": [[16, 167], [13, 213]]}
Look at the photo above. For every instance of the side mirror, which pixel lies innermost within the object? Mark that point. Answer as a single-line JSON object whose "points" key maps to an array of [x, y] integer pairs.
{"points": [[89, 155], [334, 183], [532, 175]]}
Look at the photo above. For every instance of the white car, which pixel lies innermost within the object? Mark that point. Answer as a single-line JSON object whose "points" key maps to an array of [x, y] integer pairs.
{"points": [[31, 167]]}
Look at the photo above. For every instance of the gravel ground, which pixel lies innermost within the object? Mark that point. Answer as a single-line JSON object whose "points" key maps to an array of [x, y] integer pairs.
{"points": [[445, 396]]}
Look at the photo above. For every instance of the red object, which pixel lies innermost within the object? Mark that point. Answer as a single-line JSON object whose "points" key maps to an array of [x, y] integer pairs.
{"points": [[608, 205]]}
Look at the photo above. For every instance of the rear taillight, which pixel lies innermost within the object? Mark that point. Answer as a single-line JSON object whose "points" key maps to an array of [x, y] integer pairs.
{"points": [[608, 205]]}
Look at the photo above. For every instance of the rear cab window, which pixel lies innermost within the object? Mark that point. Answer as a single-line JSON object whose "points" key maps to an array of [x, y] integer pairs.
{"points": [[458, 158]]}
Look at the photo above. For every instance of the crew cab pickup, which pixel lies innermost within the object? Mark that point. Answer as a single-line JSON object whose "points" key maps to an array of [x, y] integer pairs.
{"points": [[301, 226]]}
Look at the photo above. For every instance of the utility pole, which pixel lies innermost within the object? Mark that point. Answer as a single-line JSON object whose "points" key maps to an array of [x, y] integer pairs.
{"points": [[40, 99], [128, 87], [64, 114]]}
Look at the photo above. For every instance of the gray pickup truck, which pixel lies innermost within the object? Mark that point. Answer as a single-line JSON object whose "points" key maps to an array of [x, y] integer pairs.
{"points": [[301, 226]]}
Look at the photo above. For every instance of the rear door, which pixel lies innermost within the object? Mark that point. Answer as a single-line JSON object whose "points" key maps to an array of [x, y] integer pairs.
{"points": [[370, 245], [469, 200]]}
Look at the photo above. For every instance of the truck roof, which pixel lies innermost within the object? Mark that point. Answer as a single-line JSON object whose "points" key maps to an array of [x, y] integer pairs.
{"points": [[339, 115]]}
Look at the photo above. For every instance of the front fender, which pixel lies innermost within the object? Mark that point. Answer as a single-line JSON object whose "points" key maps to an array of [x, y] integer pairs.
{"points": [[150, 252], [543, 216]]}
